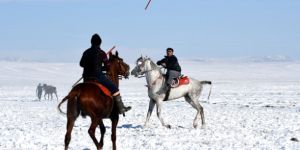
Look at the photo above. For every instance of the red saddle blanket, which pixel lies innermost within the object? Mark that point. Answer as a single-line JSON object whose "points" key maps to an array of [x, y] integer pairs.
{"points": [[180, 81], [102, 88]]}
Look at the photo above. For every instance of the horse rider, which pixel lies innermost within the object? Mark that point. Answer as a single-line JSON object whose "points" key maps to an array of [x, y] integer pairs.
{"points": [[92, 61], [170, 62], [39, 90]]}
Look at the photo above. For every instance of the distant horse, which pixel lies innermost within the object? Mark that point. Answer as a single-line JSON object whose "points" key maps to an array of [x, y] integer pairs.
{"points": [[49, 90], [157, 88], [88, 98]]}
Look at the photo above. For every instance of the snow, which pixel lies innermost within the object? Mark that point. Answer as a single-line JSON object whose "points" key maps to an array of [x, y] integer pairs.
{"points": [[252, 106]]}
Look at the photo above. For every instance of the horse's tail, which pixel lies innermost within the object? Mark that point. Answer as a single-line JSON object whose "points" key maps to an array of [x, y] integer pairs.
{"points": [[73, 95], [62, 101], [207, 82]]}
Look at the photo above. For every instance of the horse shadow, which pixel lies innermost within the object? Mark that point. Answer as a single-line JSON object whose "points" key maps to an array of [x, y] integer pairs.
{"points": [[130, 126], [127, 126]]}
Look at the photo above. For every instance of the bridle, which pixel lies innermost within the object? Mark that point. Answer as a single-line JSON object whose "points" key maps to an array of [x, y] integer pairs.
{"points": [[120, 61], [146, 71]]}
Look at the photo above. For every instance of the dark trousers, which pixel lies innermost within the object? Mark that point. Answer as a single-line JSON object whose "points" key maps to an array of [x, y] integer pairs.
{"points": [[171, 74], [39, 94]]}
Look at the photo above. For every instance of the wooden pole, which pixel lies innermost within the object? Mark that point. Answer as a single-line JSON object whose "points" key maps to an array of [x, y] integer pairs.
{"points": [[147, 4], [110, 50]]}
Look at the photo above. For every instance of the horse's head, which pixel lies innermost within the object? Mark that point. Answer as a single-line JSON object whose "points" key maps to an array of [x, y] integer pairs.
{"points": [[143, 65], [118, 66], [44, 86]]}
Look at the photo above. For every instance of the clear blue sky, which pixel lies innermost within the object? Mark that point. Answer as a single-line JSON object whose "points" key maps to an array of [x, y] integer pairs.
{"points": [[60, 30]]}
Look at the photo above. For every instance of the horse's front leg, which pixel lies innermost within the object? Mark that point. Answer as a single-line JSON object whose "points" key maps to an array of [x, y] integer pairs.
{"points": [[150, 109], [114, 123], [158, 109]]}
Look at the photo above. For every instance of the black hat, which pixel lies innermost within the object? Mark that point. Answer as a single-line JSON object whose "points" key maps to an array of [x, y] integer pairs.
{"points": [[96, 40]]}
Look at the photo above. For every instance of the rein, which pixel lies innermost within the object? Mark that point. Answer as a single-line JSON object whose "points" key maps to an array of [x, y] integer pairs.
{"points": [[151, 70], [159, 77], [148, 71]]}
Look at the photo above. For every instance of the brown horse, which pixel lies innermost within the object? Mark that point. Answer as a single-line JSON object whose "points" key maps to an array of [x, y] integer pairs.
{"points": [[87, 98]]}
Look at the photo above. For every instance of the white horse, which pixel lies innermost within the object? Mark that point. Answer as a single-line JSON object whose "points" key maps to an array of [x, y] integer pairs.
{"points": [[157, 88]]}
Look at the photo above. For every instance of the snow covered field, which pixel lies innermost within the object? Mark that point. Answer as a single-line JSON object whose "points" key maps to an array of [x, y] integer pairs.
{"points": [[252, 106]]}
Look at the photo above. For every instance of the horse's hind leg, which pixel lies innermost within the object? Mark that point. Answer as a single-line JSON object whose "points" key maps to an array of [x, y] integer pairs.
{"points": [[72, 114], [102, 130], [92, 129], [56, 96], [70, 125], [195, 104]]}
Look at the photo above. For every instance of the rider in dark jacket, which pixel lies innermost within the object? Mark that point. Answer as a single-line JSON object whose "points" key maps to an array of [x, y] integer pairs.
{"points": [[92, 62], [170, 62]]}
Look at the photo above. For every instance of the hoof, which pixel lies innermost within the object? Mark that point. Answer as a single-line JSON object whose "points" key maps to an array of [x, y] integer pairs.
{"points": [[195, 125], [168, 126], [146, 125]]}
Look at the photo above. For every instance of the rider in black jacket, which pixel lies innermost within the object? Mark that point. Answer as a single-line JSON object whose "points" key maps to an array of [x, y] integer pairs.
{"points": [[91, 61], [170, 62]]}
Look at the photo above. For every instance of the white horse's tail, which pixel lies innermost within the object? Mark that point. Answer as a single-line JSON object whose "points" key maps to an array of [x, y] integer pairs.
{"points": [[207, 82]]}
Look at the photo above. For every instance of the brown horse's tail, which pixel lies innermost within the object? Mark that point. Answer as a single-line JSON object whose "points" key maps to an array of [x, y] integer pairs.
{"points": [[62, 101], [74, 93], [207, 82]]}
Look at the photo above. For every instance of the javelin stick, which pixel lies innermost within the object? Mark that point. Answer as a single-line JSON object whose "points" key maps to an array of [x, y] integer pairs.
{"points": [[76, 82], [110, 50], [147, 4]]}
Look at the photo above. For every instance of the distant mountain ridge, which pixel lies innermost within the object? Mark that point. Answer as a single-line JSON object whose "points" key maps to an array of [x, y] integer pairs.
{"points": [[18, 59], [275, 58]]}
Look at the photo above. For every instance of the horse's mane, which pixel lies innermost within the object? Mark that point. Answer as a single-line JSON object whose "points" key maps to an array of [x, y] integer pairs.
{"points": [[152, 64]]}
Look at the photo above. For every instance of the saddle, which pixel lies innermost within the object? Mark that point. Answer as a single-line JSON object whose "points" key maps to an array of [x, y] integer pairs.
{"points": [[182, 80], [101, 87]]}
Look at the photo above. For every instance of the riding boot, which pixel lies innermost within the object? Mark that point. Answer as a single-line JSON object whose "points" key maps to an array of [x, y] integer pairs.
{"points": [[167, 92], [120, 104]]}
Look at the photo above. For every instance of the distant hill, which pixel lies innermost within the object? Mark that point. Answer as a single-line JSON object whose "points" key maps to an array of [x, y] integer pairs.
{"points": [[18, 59], [275, 58]]}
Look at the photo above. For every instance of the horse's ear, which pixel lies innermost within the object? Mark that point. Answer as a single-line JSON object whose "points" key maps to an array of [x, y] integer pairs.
{"points": [[142, 57], [117, 53]]}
